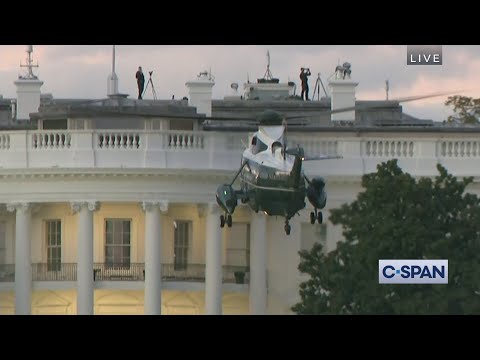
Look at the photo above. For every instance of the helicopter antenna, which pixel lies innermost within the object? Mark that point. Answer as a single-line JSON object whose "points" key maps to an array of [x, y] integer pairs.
{"points": [[387, 88]]}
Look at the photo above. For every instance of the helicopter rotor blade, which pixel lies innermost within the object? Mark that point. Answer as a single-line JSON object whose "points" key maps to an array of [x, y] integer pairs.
{"points": [[373, 106], [321, 157], [253, 121], [400, 100]]}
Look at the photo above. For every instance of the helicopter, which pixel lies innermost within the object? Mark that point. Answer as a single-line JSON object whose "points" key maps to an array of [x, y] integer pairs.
{"points": [[272, 179]]}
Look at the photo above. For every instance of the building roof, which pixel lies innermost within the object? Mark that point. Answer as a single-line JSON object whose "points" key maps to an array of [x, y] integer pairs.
{"points": [[116, 106]]}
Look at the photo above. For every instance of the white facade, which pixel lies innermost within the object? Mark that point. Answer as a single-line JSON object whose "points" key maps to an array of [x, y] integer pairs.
{"points": [[125, 221], [80, 181]]}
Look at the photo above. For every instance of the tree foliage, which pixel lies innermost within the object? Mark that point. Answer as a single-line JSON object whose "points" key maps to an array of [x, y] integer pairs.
{"points": [[467, 109], [398, 217]]}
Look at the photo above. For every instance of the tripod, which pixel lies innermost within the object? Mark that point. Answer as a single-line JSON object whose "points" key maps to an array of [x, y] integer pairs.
{"points": [[316, 89], [153, 87]]}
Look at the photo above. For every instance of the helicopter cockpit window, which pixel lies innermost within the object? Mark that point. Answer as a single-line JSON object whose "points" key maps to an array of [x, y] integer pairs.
{"points": [[275, 146], [258, 145]]}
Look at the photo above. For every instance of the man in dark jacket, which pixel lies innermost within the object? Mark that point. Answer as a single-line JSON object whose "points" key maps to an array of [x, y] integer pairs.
{"points": [[304, 73], [140, 82]]}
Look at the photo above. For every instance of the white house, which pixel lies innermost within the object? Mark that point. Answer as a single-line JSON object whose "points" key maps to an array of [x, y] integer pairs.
{"points": [[108, 206]]}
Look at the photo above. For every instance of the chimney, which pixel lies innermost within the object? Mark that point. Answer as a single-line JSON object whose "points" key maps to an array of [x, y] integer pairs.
{"points": [[342, 90], [28, 89], [200, 93]]}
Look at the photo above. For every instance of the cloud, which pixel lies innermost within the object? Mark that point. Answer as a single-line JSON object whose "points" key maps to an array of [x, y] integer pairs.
{"points": [[82, 70]]}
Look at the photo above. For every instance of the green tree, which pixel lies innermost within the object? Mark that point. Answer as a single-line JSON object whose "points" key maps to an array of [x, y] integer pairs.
{"points": [[467, 109], [398, 217]]}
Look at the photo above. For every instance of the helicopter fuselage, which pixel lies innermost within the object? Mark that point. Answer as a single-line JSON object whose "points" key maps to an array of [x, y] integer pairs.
{"points": [[272, 180], [272, 185]]}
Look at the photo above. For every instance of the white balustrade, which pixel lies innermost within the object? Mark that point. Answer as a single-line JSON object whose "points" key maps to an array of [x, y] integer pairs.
{"points": [[179, 149], [389, 148], [460, 148], [51, 139], [184, 140], [118, 140]]}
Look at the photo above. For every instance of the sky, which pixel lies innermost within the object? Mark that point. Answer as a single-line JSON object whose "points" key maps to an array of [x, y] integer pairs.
{"points": [[81, 71]]}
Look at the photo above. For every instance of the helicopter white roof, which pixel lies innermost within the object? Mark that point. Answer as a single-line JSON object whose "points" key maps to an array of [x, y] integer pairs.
{"points": [[269, 134]]}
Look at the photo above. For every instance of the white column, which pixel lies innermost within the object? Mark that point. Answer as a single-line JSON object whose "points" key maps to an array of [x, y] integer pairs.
{"points": [[213, 271], [85, 288], [153, 256], [23, 264], [258, 264]]}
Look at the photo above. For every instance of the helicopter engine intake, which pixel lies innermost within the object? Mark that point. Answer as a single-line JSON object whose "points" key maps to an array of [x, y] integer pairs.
{"points": [[316, 193], [226, 198]]}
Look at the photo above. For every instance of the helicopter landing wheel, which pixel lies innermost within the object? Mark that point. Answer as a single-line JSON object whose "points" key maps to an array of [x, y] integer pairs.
{"points": [[320, 217], [222, 221], [229, 220], [312, 218]]}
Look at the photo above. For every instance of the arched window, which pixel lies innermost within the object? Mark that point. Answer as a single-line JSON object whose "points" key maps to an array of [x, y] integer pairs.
{"points": [[275, 146]]}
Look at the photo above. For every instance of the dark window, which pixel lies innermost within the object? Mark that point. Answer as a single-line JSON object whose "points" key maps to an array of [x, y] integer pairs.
{"points": [[186, 125], [54, 245], [55, 124], [181, 245], [117, 242]]}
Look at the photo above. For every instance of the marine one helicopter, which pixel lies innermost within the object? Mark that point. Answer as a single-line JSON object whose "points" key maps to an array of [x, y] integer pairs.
{"points": [[272, 179]]}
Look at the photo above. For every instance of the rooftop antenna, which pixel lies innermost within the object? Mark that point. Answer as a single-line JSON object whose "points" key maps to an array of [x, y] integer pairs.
{"points": [[268, 74], [29, 64], [113, 60], [387, 88], [113, 78]]}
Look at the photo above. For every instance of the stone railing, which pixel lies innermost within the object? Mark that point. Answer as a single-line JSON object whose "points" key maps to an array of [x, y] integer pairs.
{"points": [[130, 272], [195, 150]]}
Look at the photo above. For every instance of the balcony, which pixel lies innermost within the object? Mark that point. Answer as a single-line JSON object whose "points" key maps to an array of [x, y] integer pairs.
{"points": [[132, 272], [418, 152]]}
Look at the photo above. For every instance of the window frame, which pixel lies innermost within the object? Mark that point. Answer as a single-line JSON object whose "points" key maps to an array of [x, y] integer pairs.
{"points": [[54, 244], [125, 261]]}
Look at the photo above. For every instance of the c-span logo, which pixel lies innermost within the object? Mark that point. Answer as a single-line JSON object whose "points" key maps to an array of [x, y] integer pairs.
{"points": [[413, 271]]}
